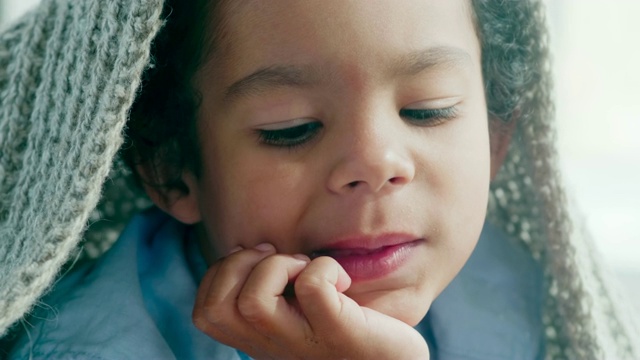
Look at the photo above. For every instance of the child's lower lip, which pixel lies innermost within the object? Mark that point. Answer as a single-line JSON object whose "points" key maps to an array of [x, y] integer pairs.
{"points": [[362, 265]]}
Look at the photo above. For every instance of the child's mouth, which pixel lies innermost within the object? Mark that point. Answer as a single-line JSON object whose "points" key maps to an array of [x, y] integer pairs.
{"points": [[370, 263], [346, 252]]}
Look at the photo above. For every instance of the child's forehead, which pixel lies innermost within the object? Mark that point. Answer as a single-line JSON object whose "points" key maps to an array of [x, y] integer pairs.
{"points": [[250, 16], [287, 32]]}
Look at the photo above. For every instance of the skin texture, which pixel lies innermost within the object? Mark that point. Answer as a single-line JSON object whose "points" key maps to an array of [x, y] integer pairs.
{"points": [[351, 68]]}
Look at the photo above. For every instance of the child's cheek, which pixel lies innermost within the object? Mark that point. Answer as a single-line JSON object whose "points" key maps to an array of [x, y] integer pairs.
{"points": [[257, 200]]}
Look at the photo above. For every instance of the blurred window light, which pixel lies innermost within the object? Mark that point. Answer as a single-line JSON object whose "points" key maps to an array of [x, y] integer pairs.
{"points": [[12, 9], [597, 81]]}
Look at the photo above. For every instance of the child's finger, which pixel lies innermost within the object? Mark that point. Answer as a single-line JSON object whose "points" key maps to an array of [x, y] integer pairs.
{"points": [[319, 291], [215, 312], [343, 327], [203, 290], [262, 301], [205, 284], [199, 318], [230, 277]]}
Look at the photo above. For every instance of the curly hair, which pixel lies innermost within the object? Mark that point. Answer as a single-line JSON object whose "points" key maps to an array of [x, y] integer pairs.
{"points": [[161, 134], [509, 32]]}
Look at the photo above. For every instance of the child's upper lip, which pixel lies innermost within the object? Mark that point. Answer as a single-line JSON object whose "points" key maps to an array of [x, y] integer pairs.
{"points": [[363, 244]]}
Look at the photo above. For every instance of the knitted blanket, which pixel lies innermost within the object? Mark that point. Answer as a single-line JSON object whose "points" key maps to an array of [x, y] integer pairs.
{"points": [[68, 75]]}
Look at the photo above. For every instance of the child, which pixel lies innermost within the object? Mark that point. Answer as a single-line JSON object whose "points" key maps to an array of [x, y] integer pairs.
{"points": [[323, 170]]}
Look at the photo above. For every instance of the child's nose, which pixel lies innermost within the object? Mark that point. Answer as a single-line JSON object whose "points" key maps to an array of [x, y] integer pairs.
{"points": [[372, 160]]}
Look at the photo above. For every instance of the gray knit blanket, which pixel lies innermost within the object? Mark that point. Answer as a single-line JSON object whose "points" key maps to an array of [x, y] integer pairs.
{"points": [[69, 71]]}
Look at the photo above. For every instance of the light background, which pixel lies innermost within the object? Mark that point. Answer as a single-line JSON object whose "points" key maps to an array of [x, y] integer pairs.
{"points": [[597, 80], [597, 76]]}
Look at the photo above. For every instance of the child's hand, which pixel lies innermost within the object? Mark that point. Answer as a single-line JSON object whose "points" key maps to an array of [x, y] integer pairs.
{"points": [[242, 302]]}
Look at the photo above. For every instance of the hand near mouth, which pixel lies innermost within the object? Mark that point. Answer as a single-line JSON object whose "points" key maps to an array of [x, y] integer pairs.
{"points": [[245, 301]]}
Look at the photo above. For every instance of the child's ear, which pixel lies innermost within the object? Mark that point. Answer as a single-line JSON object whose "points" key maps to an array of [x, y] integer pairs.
{"points": [[183, 206], [500, 138]]}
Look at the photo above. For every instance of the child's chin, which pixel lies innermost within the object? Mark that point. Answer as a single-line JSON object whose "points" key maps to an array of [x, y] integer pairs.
{"points": [[408, 308]]}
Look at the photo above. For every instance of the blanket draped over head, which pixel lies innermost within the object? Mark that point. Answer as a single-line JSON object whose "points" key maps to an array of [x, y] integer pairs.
{"points": [[69, 72]]}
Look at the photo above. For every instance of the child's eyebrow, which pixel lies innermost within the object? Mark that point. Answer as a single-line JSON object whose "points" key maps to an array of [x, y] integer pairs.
{"points": [[278, 76], [272, 77], [416, 62]]}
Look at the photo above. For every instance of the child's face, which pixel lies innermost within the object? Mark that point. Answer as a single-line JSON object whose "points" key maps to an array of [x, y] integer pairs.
{"points": [[354, 129]]}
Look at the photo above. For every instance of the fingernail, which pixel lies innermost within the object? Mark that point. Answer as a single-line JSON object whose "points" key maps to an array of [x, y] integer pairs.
{"points": [[234, 250], [265, 247], [302, 257]]}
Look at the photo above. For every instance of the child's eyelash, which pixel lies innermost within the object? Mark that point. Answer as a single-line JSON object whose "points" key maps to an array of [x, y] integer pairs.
{"points": [[289, 137], [429, 117], [299, 135]]}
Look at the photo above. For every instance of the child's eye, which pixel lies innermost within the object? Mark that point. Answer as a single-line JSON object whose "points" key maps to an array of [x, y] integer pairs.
{"points": [[429, 117], [289, 137]]}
